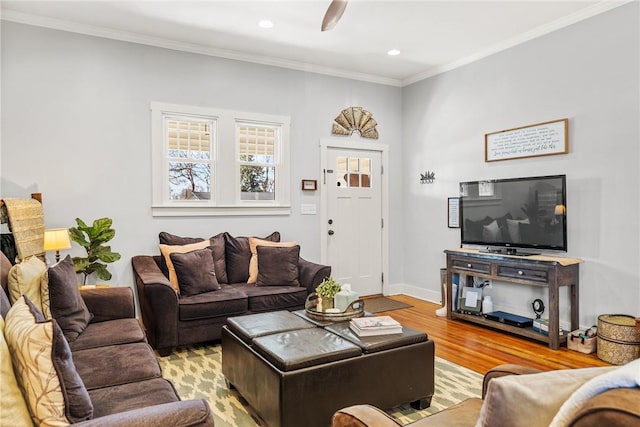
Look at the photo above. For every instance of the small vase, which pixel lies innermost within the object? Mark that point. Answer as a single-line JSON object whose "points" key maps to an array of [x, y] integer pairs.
{"points": [[327, 303]]}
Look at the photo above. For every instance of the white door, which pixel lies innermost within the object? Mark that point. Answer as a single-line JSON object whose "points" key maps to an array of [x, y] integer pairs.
{"points": [[354, 218]]}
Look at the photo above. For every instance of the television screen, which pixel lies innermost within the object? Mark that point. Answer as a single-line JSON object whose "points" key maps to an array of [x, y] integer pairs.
{"points": [[515, 213]]}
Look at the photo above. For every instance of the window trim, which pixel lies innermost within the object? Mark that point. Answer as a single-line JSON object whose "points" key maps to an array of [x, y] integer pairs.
{"points": [[225, 152]]}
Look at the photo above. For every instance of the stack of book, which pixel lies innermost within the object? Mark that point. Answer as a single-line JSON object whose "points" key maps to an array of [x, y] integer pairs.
{"points": [[377, 325]]}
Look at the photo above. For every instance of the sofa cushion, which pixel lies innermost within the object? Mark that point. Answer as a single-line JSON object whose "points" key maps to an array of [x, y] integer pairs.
{"points": [[67, 306], [219, 260], [111, 332], [116, 364], [14, 408], [268, 298], [167, 250], [44, 366], [238, 256], [254, 242], [228, 301], [544, 393], [30, 278], [135, 395], [195, 272], [278, 266]]}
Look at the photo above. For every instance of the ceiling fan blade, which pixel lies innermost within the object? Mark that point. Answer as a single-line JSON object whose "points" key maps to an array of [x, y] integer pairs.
{"points": [[334, 13]]}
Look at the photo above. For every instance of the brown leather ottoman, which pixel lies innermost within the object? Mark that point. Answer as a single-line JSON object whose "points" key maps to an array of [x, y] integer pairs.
{"points": [[300, 377]]}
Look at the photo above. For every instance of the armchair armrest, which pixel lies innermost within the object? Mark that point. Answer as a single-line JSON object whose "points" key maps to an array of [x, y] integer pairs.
{"points": [[109, 303], [158, 302], [503, 370], [362, 416], [183, 413], [311, 274], [615, 407]]}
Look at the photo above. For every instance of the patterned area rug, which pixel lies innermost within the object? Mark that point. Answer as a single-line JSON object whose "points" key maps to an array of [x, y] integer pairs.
{"points": [[196, 372]]}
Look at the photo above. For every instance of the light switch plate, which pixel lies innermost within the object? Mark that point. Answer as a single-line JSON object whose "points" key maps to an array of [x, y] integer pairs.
{"points": [[308, 209]]}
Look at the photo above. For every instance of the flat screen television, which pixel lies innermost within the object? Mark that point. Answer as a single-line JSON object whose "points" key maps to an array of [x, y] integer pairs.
{"points": [[515, 213]]}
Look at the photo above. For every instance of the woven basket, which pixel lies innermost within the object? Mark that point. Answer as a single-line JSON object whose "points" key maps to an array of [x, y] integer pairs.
{"points": [[618, 338]]}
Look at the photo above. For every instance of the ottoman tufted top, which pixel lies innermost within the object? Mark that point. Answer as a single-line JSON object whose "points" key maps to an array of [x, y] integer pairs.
{"points": [[303, 348], [253, 326]]}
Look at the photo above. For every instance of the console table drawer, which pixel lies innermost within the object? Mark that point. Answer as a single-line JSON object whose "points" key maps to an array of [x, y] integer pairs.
{"points": [[523, 273], [478, 267]]}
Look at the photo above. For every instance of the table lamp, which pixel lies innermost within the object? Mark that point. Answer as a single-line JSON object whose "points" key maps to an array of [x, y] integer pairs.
{"points": [[56, 239]]}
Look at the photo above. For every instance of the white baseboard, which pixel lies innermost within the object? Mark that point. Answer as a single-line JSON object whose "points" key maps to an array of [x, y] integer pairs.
{"points": [[412, 291]]}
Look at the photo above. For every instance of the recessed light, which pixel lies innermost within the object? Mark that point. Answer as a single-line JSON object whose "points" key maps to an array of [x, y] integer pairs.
{"points": [[265, 23], [393, 52]]}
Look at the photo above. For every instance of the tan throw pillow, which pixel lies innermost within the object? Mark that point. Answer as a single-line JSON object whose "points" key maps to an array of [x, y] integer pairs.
{"points": [[531, 400], [44, 368], [30, 278], [167, 250], [254, 242], [14, 408]]}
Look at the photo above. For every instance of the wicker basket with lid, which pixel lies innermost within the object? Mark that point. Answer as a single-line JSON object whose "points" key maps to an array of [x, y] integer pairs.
{"points": [[618, 338]]}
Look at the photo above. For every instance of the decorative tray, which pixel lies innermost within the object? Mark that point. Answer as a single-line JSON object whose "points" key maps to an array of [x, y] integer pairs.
{"points": [[355, 309]]}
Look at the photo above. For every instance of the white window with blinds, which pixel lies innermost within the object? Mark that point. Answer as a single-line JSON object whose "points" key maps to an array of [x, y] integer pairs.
{"points": [[218, 162]]}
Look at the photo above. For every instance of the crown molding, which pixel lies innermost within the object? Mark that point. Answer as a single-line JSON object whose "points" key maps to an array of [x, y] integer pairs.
{"points": [[97, 31], [540, 31]]}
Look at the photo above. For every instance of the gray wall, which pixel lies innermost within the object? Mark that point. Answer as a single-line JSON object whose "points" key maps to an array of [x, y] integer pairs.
{"points": [[76, 127], [587, 72]]}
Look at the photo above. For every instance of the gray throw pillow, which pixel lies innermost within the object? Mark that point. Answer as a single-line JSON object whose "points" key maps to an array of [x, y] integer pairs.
{"points": [[219, 261], [278, 266], [67, 305], [195, 271], [173, 240], [238, 256]]}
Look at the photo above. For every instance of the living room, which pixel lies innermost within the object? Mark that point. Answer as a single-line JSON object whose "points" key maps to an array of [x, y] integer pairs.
{"points": [[76, 127]]}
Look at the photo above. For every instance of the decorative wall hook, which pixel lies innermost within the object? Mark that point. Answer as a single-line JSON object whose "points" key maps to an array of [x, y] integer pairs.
{"points": [[428, 177]]}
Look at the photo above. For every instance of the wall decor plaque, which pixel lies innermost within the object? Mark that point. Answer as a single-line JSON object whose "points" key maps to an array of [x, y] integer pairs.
{"points": [[541, 139], [355, 119]]}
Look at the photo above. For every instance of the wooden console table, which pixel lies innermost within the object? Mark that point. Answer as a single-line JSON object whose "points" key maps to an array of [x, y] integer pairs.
{"points": [[535, 270]]}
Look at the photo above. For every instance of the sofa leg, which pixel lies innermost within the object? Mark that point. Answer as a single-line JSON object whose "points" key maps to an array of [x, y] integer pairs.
{"points": [[164, 352], [421, 403]]}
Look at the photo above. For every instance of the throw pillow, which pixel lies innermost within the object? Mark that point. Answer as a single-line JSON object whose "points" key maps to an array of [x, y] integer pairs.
{"points": [[14, 408], [238, 256], [30, 278], [219, 261], [514, 228], [278, 266], [195, 272], [167, 250], [491, 232], [173, 240], [254, 242], [44, 368], [530, 400], [67, 305]]}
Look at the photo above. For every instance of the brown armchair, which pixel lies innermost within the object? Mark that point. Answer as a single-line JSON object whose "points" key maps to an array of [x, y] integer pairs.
{"points": [[614, 408]]}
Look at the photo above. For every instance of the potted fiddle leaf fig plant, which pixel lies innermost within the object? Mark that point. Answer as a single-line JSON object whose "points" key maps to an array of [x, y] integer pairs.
{"points": [[93, 238]]}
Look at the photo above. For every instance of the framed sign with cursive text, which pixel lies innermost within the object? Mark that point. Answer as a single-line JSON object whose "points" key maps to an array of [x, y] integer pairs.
{"points": [[542, 139]]}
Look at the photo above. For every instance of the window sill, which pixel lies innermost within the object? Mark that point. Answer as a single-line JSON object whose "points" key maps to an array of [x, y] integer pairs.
{"points": [[234, 210]]}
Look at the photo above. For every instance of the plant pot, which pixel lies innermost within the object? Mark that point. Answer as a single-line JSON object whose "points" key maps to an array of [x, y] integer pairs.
{"points": [[327, 303]]}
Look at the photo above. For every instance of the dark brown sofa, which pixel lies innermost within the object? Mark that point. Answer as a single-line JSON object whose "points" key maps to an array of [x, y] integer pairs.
{"points": [[173, 319], [117, 366], [618, 407]]}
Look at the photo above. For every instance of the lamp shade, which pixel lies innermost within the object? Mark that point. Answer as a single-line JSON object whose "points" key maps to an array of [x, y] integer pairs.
{"points": [[56, 239], [560, 210]]}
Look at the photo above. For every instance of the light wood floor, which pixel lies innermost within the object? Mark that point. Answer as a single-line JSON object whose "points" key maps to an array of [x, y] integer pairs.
{"points": [[479, 348]]}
